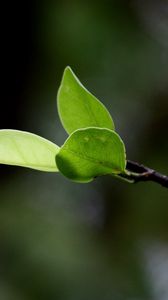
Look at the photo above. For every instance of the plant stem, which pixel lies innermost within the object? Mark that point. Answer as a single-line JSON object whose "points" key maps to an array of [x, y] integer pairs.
{"points": [[136, 172]]}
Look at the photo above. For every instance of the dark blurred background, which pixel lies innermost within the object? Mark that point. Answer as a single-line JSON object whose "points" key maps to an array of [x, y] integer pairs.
{"points": [[107, 239]]}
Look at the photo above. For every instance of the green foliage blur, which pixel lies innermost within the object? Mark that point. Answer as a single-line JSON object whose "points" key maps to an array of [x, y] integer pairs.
{"points": [[107, 239]]}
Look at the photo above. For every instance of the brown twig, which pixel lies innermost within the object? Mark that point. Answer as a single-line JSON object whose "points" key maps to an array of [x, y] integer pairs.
{"points": [[137, 172]]}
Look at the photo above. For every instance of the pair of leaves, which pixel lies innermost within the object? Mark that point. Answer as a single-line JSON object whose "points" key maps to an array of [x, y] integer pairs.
{"points": [[92, 149]]}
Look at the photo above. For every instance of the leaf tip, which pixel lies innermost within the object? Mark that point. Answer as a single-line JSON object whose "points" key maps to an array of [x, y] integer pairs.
{"points": [[67, 70]]}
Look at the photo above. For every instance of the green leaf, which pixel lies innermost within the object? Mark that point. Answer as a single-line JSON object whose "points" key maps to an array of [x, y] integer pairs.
{"points": [[78, 108], [91, 152], [27, 150]]}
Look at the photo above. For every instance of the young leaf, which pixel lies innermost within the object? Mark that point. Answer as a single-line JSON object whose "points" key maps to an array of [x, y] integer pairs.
{"points": [[78, 108], [91, 152], [27, 150]]}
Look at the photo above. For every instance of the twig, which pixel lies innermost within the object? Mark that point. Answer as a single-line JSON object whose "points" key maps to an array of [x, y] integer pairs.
{"points": [[136, 172]]}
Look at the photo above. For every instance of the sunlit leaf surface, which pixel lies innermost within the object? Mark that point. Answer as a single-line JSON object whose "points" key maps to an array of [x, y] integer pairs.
{"points": [[78, 108], [91, 152], [27, 150]]}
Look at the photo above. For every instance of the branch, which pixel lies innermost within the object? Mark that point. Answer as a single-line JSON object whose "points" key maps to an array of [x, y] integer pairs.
{"points": [[137, 172]]}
